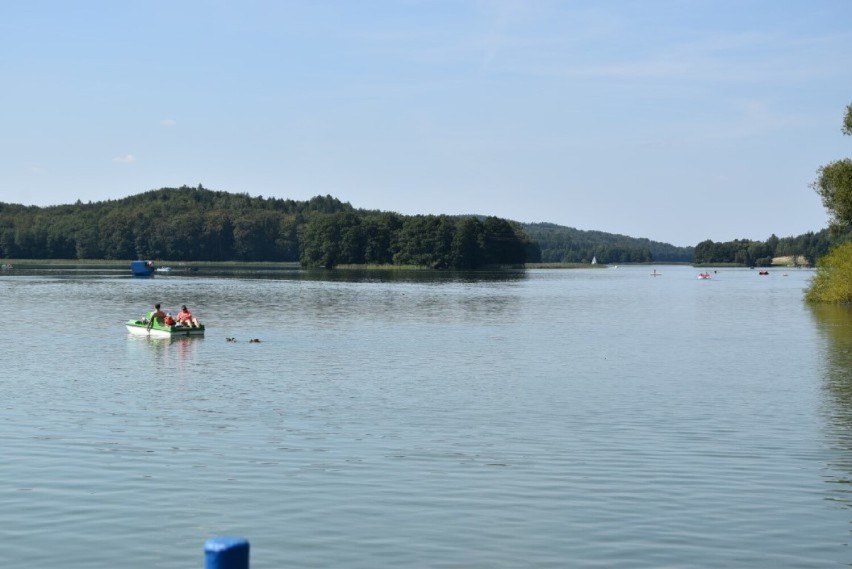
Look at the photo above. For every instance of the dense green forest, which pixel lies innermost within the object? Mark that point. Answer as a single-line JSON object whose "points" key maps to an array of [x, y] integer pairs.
{"points": [[810, 245], [561, 244], [196, 224]]}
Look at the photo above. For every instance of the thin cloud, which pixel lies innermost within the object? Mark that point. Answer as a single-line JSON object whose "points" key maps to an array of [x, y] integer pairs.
{"points": [[126, 159]]}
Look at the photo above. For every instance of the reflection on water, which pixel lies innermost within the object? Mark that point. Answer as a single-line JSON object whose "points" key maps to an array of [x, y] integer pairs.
{"points": [[286, 272], [834, 323], [409, 276], [170, 354]]}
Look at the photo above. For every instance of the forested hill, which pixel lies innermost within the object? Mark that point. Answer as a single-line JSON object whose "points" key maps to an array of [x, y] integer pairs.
{"points": [[745, 252], [561, 244], [197, 224], [170, 223]]}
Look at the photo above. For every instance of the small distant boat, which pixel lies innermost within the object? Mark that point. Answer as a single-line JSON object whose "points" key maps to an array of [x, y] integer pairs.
{"points": [[703, 275], [163, 269], [6, 266], [142, 268], [594, 260], [763, 273], [655, 273]]}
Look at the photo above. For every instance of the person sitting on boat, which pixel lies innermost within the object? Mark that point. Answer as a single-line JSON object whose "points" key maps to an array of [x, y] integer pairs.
{"points": [[185, 317], [157, 315]]}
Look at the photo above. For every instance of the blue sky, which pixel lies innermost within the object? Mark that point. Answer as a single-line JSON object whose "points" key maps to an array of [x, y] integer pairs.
{"points": [[674, 120]]}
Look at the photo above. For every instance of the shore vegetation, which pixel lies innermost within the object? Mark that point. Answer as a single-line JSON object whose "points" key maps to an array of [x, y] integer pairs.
{"points": [[833, 281]]}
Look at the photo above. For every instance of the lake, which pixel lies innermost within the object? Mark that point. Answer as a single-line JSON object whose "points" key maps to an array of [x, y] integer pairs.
{"points": [[541, 418]]}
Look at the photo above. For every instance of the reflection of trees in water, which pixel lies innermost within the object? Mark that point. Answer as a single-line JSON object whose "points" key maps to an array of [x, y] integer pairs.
{"points": [[835, 325], [365, 275]]}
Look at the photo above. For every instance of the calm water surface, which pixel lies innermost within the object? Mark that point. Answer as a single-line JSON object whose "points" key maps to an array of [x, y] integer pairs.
{"points": [[580, 418]]}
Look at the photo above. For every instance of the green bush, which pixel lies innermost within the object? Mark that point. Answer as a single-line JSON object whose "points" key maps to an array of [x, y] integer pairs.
{"points": [[833, 280]]}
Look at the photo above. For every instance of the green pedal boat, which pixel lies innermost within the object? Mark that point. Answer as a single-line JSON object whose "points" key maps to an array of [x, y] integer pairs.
{"points": [[157, 330]]}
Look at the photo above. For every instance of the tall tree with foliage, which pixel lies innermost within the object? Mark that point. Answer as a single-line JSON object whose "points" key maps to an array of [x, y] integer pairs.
{"points": [[834, 183], [833, 281]]}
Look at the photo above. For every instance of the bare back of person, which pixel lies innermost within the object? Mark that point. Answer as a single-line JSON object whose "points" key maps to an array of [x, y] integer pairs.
{"points": [[157, 316]]}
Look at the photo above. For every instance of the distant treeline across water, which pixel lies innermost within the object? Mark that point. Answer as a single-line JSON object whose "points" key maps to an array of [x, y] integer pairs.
{"points": [[197, 224]]}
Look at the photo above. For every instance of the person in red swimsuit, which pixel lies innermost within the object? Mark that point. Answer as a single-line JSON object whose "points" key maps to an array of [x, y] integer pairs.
{"points": [[185, 317]]}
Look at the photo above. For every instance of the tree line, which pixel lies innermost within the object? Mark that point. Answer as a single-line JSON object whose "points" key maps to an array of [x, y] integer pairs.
{"points": [[197, 224], [750, 253], [435, 241], [560, 244], [830, 248]]}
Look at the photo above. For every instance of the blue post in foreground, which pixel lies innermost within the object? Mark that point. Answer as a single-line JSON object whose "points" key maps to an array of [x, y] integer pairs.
{"points": [[226, 553]]}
